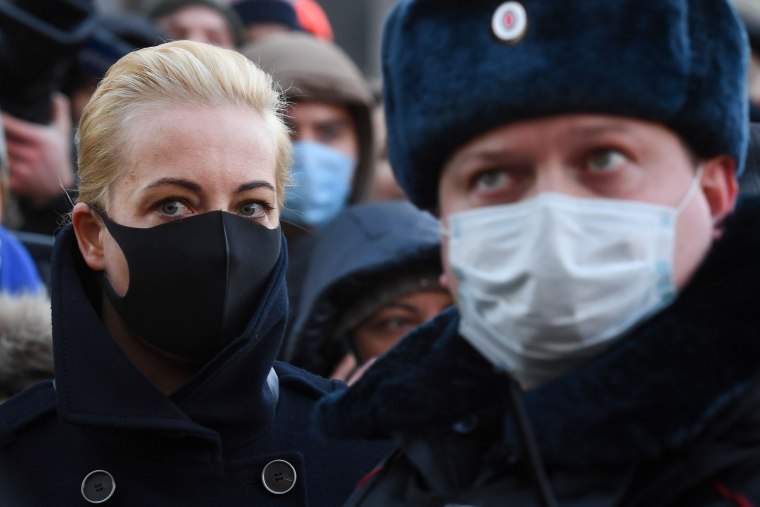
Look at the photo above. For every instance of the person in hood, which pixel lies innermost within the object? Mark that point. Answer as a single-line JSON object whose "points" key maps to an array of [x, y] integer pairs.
{"points": [[603, 351], [360, 299], [169, 306], [330, 119]]}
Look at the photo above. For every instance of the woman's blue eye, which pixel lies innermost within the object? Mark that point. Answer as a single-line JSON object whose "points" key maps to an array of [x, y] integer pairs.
{"points": [[172, 208], [491, 180], [252, 209], [606, 160]]}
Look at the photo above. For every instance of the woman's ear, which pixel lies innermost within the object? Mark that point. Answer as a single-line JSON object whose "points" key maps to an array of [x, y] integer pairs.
{"points": [[88, 228], [719, 186]]}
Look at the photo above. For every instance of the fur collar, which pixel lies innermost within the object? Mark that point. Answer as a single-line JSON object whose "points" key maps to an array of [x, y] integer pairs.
{"points": [[26, 341], [658, 388]]}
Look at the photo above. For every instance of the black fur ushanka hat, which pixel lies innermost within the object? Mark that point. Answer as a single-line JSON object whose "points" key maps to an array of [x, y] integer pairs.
{"points": [[454, 70]]}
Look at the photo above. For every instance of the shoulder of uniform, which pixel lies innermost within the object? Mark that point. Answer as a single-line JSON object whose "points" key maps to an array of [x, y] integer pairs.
{"points": [[308, 384], [25, 408]]}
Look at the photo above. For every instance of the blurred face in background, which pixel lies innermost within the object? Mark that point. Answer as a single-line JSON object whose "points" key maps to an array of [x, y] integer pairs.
{"points": [[376, 334], [198, 23], [259, 31], [328, 124]]}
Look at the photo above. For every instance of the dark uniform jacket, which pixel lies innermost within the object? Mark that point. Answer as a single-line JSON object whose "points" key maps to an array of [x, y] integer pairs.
{"points": [[668, 416], [236, 434]]}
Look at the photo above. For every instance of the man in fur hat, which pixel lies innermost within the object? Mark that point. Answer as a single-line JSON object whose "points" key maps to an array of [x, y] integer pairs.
{"points": [[604, 350]]}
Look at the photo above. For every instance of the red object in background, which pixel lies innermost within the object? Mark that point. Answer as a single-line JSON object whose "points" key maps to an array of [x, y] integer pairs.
{"points": [[313, 19]]}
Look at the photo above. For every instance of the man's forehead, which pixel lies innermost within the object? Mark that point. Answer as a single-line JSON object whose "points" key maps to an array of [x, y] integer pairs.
{"points": [[569, 128]]}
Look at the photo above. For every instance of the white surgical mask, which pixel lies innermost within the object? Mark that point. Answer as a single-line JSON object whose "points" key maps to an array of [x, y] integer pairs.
{"points": [[546, 283]]}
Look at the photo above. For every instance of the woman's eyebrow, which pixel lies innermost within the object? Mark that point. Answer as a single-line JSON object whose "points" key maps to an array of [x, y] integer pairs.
{"points": [[180, 182], [253, 185]]}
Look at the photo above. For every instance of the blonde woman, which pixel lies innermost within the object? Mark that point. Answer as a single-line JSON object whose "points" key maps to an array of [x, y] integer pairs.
{"points": [[169, 305]]}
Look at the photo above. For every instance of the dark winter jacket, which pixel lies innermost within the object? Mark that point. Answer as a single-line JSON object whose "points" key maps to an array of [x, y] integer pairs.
{"points": [[364, 244], [668, 416], [236, 434]]}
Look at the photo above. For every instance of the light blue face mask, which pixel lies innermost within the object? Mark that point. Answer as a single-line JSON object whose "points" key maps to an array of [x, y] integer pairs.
{"points": [[322, 181], [549, 282]]}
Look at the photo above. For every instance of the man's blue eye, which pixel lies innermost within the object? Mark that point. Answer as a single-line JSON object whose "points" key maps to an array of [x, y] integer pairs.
{"points": [[492, 180], [606, 160]]}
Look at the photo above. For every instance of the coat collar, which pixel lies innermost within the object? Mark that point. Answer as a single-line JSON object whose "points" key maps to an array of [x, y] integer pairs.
{"points": [[97, 386], [658, 388]]}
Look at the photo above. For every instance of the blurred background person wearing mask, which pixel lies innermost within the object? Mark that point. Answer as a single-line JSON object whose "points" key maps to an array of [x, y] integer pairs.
{"points": [[330, 118], [373, 277]]}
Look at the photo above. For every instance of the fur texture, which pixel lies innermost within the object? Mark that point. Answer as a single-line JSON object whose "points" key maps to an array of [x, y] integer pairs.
{"points": [[26, 342], [663, 385], [681, 63]]}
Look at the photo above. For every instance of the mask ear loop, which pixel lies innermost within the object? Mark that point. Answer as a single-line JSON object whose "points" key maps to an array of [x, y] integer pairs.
{"points": [[692, 189]]}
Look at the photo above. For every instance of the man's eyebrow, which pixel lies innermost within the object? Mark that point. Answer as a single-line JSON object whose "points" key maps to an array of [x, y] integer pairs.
{"points": [[597, 130], [251, 185], [333, 122]]}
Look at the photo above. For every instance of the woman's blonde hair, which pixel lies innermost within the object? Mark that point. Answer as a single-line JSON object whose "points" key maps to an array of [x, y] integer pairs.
{"points": [[181, 73]]}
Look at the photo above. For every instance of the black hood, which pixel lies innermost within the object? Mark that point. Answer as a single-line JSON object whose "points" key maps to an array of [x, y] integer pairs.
{"points": [[364, 242]]}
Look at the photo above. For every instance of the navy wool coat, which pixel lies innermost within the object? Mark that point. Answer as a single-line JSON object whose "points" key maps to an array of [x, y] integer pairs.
{"points": [[669, 416], [236, 434]]}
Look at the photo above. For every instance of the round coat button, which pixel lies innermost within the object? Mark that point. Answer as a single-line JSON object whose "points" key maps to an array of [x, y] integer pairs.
{"points": [[98, 486], [278, 477]]}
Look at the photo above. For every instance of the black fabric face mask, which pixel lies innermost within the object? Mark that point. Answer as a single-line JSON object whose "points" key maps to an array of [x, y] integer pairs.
{"points": [[194, 283]]}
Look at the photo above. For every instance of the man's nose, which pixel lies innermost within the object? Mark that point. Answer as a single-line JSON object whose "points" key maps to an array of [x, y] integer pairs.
{"points": [[558, 178]]}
